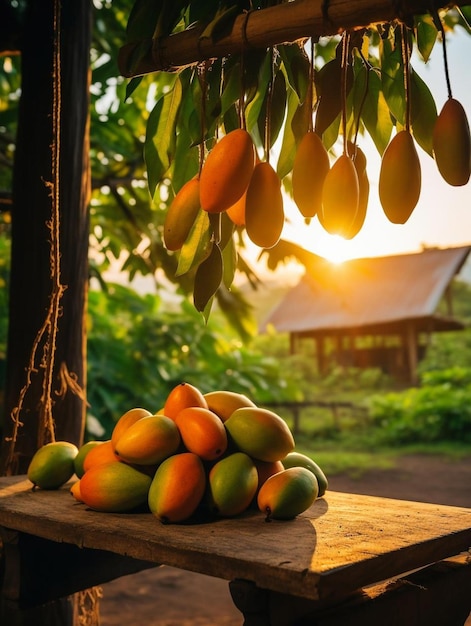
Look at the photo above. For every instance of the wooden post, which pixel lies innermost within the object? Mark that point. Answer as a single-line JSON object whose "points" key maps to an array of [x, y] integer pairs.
{"points": [[411, 350]]}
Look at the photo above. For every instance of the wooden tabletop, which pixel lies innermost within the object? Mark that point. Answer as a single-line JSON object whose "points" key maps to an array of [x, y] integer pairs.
{"points": [[343, 542]]}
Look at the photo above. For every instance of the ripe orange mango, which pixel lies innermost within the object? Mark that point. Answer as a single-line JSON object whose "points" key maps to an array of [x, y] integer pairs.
{"points": [[265, 469], [182, 396], [340, 197], [149, 441], [224, 402], [226, 172], [82, 453], [114, 488], [75, 491], [181, 214], [288, 493], [310, 168], [400, 178], [177, 488], [232, 484], [236, 212], [202, 432], [103, 453], [452, 143], [126, 420], [264, 211], [260, 433]]}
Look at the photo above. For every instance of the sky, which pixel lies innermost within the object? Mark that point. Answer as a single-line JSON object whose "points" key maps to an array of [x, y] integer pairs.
{"points": [[442, 216]]}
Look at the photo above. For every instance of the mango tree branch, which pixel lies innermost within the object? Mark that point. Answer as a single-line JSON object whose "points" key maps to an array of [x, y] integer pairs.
{"points": [[283, 23]]}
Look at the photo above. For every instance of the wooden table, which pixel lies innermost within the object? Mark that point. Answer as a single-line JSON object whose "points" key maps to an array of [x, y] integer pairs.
{"points": [[346, 555]]}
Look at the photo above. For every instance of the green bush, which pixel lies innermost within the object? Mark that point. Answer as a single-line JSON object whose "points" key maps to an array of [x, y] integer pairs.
{"points": [[138, 351], [432, 413]]}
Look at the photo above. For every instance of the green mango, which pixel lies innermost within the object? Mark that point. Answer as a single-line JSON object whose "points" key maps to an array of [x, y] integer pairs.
{"points": [[52, 465], [287, 493], [232, 484], [82, 453], [114, 487], [296, 459], [260, 433]]}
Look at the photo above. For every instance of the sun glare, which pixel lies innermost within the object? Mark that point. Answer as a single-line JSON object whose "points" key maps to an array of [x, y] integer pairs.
{"points": [[336, 250]]}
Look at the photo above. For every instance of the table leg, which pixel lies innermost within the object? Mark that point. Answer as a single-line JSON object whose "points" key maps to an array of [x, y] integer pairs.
{"points": [[437, 595]]}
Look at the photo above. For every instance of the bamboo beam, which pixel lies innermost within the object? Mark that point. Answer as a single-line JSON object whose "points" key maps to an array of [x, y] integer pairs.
{"points": [[283, 23]]}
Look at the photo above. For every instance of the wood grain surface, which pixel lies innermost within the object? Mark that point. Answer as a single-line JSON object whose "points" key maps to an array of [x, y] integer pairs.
{"points": [[343, 542]]}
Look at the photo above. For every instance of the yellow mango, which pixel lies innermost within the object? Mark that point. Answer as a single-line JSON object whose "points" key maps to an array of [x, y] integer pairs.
{"points": [[181, 215], [400, 178], [452, 143], [114, 487], [359, 161], [52, 465], [287, 493], [232, 484], [310, 168], [177, 488], [126, 420], [224, 402], [149, 441], [340, 197], [264, 211], [260, 433], [226, 172]]}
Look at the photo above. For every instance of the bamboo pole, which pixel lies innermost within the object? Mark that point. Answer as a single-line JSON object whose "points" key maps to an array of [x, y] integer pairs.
{"points": [[283, 23]]}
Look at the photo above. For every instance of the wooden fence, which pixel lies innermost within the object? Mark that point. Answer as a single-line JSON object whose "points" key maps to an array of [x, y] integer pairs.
{"points": [[359, 412]]}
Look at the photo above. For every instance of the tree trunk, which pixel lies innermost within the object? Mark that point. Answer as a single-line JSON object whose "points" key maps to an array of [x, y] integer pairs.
{"points": [[30, 283]]}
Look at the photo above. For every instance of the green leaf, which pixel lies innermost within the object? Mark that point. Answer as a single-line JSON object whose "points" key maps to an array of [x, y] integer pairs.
{"points": [[296, 67], [208, 278], [392, 79], [197, 246], [142, 19], [328, 84], [161, 133], [375, 113], [229, 258], [186, 162], [132, 85], [277, 109], [288, 145], [426, 35], [220, 21], [465, 14], [423, 113], [255, 107], [231, 87]]}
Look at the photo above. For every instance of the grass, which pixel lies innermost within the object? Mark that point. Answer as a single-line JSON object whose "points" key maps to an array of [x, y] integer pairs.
{"points": [[355, 452]]}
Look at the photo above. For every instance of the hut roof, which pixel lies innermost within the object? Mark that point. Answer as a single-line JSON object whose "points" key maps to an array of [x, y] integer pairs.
{"points": [[371, 294]]}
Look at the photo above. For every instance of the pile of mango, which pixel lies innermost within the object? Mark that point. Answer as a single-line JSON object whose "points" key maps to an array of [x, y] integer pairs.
{"points": [[213, 455]]}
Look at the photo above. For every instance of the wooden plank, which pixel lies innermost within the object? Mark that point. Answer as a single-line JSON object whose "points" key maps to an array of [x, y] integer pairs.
{"points": [[343, 542]]}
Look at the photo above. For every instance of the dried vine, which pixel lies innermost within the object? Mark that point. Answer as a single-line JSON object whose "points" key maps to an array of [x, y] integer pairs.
{"points": [[47, 334]]}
